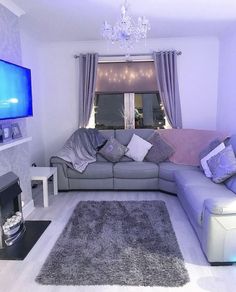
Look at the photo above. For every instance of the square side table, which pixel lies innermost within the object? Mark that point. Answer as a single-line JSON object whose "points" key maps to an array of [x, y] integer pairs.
{"points": [[43, 174]]}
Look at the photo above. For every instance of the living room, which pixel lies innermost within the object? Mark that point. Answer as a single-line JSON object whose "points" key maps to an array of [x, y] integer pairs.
{"points": [[45, 37]]}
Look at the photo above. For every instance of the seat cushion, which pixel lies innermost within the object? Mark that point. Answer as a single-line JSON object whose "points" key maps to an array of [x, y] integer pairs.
{"points": [[167, 169], [194, 188], [93, 170], [135, 184], [190, 177], [136, 170]]}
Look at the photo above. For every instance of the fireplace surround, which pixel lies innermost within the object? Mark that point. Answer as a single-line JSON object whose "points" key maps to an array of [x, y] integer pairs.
{"points": [[11, 217], [17, 236]]}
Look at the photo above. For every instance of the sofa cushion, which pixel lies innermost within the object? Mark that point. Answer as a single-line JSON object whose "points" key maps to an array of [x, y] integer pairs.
{"points": [[232, 141], [113, 150], [100, 158], [124, 136], [160, 150], [193, 178], [137, 148], [138, 170], [136, 184], [231, 183], [167, 169], [212, 145], [204, 160], [126, 159], [93, 170], [107, 133], [222, 165], [194, 188]]}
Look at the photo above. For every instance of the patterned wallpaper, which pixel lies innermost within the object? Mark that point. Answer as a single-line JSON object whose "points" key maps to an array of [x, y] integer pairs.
{"points": [[15, 159]]}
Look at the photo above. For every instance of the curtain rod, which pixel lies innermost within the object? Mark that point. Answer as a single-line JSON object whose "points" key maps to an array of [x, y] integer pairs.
{"points": [[134, 55]]}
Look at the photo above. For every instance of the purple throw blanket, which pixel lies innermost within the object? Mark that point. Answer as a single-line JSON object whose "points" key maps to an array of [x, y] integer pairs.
{"points": [[188, 143]]}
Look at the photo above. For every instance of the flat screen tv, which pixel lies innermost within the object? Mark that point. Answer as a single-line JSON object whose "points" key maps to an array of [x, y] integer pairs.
{"points": [[15, 91]]}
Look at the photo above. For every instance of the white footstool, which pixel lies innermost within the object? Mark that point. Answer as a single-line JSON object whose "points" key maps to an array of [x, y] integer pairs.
{"points": [[43, 174]]}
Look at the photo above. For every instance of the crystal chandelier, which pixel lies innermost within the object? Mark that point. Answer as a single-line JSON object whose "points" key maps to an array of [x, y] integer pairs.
{"points": [[126, 31]]}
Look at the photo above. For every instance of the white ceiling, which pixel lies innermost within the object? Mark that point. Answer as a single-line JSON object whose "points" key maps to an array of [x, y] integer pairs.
{"points": [[74, 20]]}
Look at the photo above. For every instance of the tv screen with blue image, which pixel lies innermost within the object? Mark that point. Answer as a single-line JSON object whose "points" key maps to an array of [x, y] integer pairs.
{"points": [[15, 91]]}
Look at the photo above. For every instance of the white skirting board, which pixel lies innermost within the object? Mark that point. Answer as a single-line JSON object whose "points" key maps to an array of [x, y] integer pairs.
{"points": [[28, 209]]}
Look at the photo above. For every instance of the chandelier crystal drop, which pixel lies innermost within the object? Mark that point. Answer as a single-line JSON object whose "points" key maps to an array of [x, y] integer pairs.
{"points": [[126, 31]]}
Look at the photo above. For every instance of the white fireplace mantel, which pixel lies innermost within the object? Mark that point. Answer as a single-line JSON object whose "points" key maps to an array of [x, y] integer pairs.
{"points": [[14, 143]]}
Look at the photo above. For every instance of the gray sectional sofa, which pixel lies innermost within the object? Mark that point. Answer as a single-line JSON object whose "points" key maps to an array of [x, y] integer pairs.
{"points": [[210, 207], [123, 175]]}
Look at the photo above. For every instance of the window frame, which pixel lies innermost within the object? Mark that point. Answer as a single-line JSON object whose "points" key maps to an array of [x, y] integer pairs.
{"points": [[129, 98]]}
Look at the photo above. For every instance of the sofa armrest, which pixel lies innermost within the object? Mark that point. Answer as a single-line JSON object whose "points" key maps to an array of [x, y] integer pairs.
{"points": [[62, 166], [221, 206], [54, 161]]}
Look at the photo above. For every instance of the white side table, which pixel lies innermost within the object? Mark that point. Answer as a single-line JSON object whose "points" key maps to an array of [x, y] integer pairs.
{"points": [[43, 174]]}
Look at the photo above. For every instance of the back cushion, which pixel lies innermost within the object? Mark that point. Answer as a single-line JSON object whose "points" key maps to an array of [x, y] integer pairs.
{"points": [[232, 141], [107, 133], [126, 159], [124, 136]]}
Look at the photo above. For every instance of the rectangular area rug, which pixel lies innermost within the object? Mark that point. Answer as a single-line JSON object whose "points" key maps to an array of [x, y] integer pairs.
{"points": [[116, 243]]}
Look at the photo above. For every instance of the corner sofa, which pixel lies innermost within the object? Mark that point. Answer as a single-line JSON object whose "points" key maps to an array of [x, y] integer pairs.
{"points": [[123, 175], [210, 207]]}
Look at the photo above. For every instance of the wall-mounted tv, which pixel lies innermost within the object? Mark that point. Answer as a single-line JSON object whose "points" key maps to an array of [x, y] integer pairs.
{"points": [[15, 91]]}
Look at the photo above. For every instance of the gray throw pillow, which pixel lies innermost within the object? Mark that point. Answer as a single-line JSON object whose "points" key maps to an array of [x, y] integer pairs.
{"points": [[160, 150], [113, 150], [222, 165], [212, 145]]}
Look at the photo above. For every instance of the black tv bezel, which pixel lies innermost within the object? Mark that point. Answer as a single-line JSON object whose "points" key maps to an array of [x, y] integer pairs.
{"points": [[30, 88]]}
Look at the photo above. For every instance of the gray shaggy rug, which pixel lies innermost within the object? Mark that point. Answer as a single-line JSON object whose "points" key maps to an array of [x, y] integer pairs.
{"points": [[116, 243]]}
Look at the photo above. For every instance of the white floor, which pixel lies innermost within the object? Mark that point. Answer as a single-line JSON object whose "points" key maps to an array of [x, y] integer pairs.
{"points": [[18, 276]]}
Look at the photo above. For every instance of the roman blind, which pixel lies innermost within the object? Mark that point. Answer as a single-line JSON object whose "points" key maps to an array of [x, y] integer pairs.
{"points": [[134, 77]]}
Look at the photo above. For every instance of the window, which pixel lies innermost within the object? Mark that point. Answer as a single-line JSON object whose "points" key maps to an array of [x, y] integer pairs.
{"points": [[109, 111], [127, 97], [149, 111]]}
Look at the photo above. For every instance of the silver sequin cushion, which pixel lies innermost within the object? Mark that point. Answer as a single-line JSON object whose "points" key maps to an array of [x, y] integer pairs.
{"points": [[113, 150], [222, 165]]}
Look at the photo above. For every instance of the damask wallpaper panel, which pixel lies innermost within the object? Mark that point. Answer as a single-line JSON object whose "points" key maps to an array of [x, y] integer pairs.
{"points": [[15, 159]]}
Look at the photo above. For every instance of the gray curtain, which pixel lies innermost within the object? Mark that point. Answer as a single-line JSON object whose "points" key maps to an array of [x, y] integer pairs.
{"points": [[167, 81], [87, 82]]}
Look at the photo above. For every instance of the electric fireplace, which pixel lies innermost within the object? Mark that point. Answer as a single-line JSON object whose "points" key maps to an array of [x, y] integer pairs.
{"points": [[11, 217], [17, 236]]}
